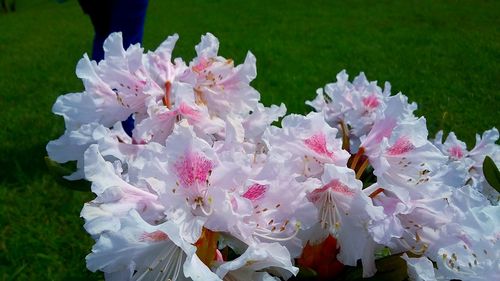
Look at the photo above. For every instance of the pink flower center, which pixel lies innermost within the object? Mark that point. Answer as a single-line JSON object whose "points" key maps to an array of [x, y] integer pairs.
{"points": [[202, 64], [317, 143], [456, 152], [335, 186], [188, 111], [193, 168], [339, 187], [401, 146], [371, 102], [255, 192], [155, 236]]}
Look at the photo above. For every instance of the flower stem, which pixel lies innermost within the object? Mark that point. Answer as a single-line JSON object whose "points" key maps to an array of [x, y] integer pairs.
{"points": [[345, 136], [358, 155], [362, 168], [376, 192]]}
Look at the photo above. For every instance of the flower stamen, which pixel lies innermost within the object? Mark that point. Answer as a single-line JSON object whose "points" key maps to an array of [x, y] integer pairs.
{"points": [[267, 234]]}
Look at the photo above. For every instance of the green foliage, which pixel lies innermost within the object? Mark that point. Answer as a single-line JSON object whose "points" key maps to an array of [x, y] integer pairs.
{"points": [[8, 6], [442, 54], [391, 268], [491, 173], [58, 171]]}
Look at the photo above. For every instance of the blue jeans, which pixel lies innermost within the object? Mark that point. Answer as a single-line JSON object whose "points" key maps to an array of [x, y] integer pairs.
{"points": [[109, 16]]}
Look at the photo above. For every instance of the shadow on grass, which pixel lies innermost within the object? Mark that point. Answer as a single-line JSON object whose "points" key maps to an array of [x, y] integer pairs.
{"points": [[23, 165]]}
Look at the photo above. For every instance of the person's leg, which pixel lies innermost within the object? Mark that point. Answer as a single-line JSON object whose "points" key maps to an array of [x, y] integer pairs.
{"points": [[128, 17], [107, 16], [100, 13]]}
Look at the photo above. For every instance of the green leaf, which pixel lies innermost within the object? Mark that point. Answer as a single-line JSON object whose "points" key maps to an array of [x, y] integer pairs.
{"points": [[491, 173], [384, 252], [56, 168], [306, 273], [58, 171], [391, 268]]}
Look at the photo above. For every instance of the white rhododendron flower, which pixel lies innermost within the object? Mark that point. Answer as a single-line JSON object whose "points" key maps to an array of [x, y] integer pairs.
{"points": [[310, 139], [471, 162], [210, 184], [140, 251], [419, 269], [347, 213]]}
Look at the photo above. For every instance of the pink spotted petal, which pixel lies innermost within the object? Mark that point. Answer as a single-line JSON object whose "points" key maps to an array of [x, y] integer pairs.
{"points": [[317, 143], [155, 236], [255, 192], [193, 169], [335, 186], [402, 145]]}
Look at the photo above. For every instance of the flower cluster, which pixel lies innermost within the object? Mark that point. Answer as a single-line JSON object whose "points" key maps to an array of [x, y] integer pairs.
{"points": [[204, 187]]}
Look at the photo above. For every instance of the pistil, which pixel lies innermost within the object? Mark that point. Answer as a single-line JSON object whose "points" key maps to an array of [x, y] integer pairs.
{"points": [[166, 98]]}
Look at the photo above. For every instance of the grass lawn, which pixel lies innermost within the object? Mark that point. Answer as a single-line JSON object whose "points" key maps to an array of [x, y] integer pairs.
{"points": [[442, 54]]}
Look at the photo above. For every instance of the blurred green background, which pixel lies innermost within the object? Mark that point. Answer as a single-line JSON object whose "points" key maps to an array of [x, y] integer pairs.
{"points": [[442, 54]]}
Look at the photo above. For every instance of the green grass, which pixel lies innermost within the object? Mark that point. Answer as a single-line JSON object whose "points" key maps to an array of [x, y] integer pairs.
{"points": [[443, 55]]}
